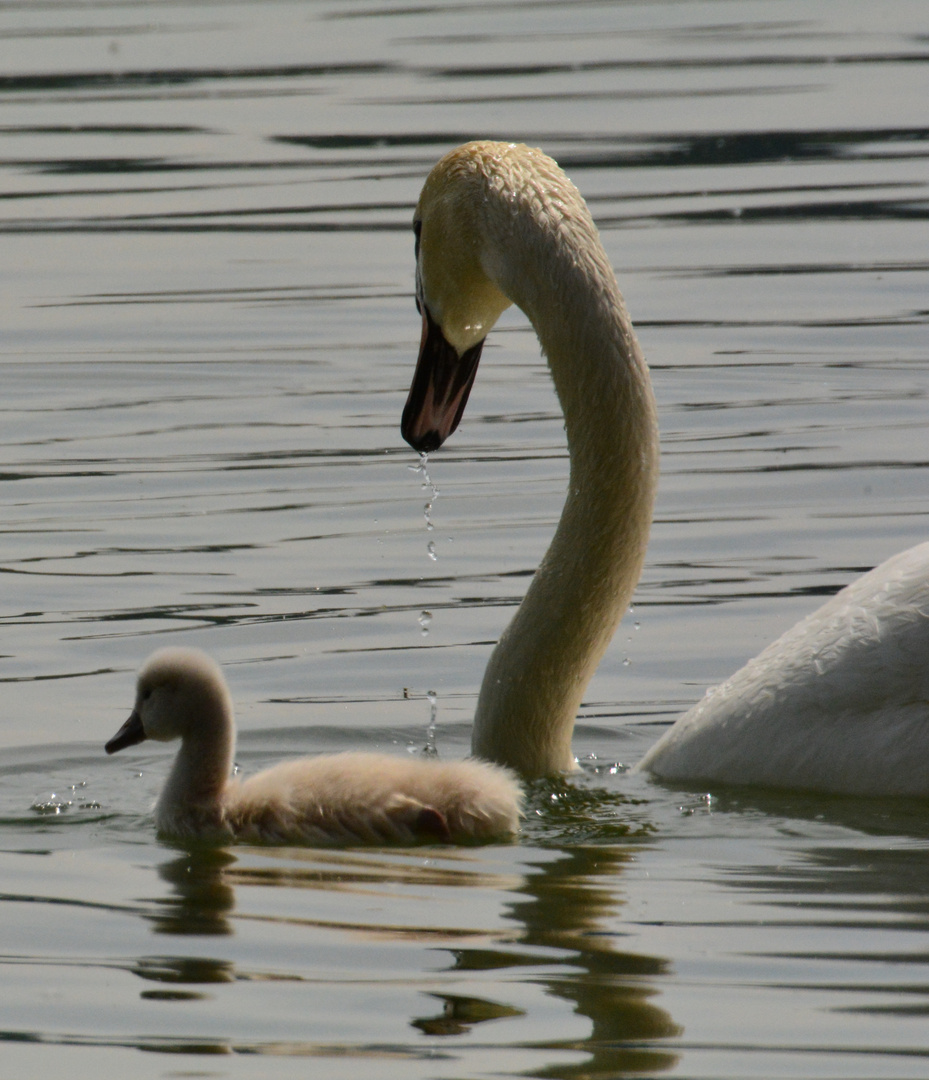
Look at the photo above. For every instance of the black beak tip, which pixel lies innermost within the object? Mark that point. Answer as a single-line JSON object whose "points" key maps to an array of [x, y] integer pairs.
{"points": [[425, 442], [131, 733]]}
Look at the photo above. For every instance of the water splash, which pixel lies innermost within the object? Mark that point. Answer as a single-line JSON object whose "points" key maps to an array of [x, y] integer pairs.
{"points": [[54, 804], [60, 804], [594, 766]]}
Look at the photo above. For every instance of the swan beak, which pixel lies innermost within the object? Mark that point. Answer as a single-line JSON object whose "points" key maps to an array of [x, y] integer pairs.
{"points": [[441, 385], [129, 734]]}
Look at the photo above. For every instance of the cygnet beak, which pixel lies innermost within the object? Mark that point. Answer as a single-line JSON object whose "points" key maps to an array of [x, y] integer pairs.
{"points": [[129, 734]]}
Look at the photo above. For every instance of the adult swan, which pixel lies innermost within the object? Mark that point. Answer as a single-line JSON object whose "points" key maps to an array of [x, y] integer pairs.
{"points": [[840, 703]]}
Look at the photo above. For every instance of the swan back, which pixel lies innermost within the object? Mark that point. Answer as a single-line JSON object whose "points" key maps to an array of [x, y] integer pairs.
{"points": [[370, 798], [839, 703]]}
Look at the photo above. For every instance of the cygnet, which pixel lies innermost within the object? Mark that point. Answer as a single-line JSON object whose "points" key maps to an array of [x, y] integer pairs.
{"points": [[338, 799]]}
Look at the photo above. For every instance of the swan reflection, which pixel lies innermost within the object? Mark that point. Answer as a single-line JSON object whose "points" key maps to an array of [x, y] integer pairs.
{"points": [[470, 935]]}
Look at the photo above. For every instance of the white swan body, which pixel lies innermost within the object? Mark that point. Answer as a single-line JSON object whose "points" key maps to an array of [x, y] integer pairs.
{"points": [[498, 224], [839, 703], [350, 798]]}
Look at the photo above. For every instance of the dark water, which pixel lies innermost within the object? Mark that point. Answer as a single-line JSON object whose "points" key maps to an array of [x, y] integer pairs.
{"points": [[207, 336]]}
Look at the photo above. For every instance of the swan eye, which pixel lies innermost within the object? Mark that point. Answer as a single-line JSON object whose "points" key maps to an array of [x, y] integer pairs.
{"points": [[417, 232], [146, 694]]}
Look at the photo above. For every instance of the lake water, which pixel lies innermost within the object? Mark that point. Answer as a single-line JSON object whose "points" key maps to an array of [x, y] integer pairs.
{"points": [[207, 336]]}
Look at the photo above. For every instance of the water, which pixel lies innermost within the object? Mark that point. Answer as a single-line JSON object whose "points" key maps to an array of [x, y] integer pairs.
{"points": [[208, 334]]}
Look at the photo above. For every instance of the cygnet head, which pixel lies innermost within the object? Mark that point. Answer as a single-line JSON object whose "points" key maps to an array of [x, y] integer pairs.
{"points": [[179, 693]]}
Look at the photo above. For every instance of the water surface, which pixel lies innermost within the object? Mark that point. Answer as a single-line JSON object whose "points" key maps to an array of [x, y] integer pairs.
{"points": [[208, 333]]}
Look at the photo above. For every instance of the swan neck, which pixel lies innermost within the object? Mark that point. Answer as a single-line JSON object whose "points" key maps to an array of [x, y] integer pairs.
{"points": [[201, 770], [540, 668]]}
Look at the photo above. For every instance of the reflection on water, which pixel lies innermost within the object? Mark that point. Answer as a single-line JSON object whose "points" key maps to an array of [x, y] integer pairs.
{"points": [[208, 332], [556, 935], [568, 904], [573, 929], [202, 897]]}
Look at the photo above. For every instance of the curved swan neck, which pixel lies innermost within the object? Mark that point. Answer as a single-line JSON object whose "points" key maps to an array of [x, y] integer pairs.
{"points": [[204, 762], [554, 268]]}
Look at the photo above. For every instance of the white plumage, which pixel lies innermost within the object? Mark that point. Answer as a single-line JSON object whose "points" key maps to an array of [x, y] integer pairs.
{"points": [[839, 703]]}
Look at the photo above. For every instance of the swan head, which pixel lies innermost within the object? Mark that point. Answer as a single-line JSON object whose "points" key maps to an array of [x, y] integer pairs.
{"points": [[178, 691], [455, 294]]}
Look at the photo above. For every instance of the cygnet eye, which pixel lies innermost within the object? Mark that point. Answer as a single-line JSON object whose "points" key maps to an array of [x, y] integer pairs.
{"points": [[146, 693]]}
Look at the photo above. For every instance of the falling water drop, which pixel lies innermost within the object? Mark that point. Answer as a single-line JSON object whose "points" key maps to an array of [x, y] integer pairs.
{"points": [[429, 750], [432, 493], [425, 621]]}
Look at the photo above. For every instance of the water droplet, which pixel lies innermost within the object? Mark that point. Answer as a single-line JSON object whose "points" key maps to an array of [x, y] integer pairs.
{"points": [[429, 750], [432, 493], [420, 466], [430, 551], [425, 621]]}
